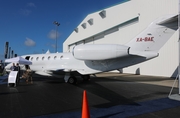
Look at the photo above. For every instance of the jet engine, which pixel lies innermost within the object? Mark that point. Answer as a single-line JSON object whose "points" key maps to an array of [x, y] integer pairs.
{"points": [[100, 52]]}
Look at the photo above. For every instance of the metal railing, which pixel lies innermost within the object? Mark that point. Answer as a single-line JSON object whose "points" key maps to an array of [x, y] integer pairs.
{"points": [[173, 84]]}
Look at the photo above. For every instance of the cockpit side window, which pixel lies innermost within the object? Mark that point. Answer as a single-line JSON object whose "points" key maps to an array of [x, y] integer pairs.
{"points": [[27, 57]]}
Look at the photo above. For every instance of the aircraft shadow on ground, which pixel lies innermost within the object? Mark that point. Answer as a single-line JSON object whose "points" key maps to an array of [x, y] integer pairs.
{"points": [[93, 86], [114, 98]]}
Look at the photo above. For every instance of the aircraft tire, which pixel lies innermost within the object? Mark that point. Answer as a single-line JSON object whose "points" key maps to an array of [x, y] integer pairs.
{"points": [[72, 80]]}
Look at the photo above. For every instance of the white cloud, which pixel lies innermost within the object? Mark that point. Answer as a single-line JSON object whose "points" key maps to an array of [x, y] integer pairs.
{"points": [[29, 42], [31, 4], [52, 34], [53, 45], [25, 12]]}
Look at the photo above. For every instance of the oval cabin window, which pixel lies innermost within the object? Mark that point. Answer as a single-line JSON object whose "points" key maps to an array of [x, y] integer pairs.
{"points": [[55, 57]]}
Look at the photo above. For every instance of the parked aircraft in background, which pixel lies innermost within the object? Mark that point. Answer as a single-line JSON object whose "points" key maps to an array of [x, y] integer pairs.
{"points": [[91, 59]]}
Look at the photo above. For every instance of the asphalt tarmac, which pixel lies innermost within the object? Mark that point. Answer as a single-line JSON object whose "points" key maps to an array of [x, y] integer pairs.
{"points": [[110, 95]]}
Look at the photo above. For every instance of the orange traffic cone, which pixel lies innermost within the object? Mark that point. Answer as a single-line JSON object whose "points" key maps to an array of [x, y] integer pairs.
{"points": [[85, 107]]}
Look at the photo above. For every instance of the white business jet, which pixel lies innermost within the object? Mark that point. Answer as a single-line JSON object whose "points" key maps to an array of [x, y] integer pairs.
{"points": [[91, 59]]}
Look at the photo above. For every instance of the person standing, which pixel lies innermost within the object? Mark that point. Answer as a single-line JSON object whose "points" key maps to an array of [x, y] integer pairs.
{"points": [[12, 68], [17, 68]]}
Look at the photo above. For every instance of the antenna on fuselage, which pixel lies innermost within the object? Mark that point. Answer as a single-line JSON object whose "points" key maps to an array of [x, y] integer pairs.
{"points": [[47, 52]]}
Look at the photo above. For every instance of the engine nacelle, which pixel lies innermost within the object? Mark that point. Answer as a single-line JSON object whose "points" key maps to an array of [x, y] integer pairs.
{"points": [[99, 52]]}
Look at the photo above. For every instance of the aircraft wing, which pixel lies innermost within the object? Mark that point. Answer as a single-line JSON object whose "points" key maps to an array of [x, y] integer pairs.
{"points": [[60, 70]]}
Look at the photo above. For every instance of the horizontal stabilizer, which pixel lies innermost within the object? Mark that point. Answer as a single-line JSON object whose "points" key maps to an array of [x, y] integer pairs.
{"points": [[168, 20]]}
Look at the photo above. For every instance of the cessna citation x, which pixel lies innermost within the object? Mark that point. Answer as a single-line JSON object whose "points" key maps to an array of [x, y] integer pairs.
{"points": [[85, 60]]}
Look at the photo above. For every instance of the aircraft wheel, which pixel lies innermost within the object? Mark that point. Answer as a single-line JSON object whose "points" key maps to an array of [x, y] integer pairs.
{"points": [[72, 80]]}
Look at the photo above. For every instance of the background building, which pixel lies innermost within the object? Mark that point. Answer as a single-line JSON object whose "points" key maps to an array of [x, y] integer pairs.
{"points": [[121, 23]]}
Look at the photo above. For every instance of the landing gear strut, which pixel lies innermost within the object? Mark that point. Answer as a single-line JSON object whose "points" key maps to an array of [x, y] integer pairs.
{"points": [[86, 77], [70, 79]]}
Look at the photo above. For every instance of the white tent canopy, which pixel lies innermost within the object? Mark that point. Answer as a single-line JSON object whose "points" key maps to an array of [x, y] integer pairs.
{"points": [[19, 60]]}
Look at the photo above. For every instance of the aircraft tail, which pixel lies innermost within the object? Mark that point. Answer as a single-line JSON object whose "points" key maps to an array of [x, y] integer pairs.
{"points": [[154, 36]]}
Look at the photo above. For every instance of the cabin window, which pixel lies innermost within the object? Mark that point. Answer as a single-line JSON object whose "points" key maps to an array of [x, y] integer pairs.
{"points": [[31, 58], [55, 57], [42, 58], [61, 56], [49, 58], [37, 58]]}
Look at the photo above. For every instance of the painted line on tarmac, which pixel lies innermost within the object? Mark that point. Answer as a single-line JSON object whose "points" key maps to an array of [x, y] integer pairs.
{"points": [[122, 111]]}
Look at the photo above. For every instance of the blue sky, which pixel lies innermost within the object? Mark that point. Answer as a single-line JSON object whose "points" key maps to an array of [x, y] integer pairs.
{"points": [[28, 24]]}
